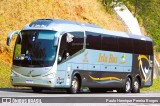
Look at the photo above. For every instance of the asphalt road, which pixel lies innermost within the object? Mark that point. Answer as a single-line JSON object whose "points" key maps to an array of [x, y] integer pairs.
{"points": [[4, 92], [7, 92]]}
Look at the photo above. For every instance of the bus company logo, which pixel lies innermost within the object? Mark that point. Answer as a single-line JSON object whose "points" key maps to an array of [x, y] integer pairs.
{"points": [[69, 38], [104, 58], [123, 59], [143, 63], [85, 57]]}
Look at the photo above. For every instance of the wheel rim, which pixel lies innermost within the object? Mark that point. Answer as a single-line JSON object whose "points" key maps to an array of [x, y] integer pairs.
{"points": [[128, 86], [136, 85], [74, 85]]}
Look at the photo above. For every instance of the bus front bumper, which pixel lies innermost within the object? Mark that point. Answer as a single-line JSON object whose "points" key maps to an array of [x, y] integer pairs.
{"points": [[32, 81]]}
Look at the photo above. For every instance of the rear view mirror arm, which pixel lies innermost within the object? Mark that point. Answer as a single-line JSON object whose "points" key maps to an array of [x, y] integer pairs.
{"points": [[10, 36]]}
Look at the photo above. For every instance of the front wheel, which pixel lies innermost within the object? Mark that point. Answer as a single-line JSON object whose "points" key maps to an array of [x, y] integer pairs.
{"points": [[127, 88], [75, 86], [136, 86]]}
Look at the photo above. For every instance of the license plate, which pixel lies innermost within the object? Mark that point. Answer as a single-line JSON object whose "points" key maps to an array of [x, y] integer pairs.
{"points": [[29, 81]]}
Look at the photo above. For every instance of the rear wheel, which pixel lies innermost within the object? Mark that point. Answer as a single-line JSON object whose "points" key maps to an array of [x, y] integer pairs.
{"points": [[37, 90], [127, 87], [75, 86], [136, 86]]}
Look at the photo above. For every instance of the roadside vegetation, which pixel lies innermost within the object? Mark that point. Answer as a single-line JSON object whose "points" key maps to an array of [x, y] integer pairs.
{"points": [[154, 88], [4, 75]]}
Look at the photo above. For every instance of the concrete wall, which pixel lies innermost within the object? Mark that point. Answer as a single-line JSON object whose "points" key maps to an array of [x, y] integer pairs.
{"points": [[128, 19]]}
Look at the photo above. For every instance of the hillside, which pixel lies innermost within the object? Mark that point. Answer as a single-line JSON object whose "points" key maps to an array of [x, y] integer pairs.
{"points": [[14, 14]]}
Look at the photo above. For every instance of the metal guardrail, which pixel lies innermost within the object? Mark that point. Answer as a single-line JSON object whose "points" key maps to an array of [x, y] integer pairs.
{"points": [[156, 70]]}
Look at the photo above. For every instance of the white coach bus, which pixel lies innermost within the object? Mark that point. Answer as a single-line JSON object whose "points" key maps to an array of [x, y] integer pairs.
{"points": [[52, 53]]}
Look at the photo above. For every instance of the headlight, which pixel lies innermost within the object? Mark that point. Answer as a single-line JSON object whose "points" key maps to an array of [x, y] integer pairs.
{"points": [[51, 75]]}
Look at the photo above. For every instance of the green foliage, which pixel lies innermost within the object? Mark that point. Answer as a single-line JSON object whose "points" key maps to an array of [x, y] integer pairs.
{"points": [[155, 87], [112, 3], [148, 15], [5, 75]]}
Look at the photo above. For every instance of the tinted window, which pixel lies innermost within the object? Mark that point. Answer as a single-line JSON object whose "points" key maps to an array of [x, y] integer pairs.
{"points": [[36, 49], [93, 41], [139, 46], [63, 46], [71, 43], [76, 43], [149, 48], [109, 43], [125, 45]]}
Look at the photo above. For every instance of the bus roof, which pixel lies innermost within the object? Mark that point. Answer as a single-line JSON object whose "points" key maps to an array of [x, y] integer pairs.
{"points": [[68, 26]]}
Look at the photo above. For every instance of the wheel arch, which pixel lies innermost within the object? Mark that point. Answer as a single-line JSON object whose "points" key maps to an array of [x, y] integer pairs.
{"points": [[77, 74], [130, 76], [139, 78]]}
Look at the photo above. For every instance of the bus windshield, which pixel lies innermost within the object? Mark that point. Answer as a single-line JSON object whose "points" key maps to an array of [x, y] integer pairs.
{"points": [[35, 48]]}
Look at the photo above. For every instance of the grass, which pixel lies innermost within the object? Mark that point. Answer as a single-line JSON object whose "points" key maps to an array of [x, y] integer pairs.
{"points": [[155, 87], [5, 75]]}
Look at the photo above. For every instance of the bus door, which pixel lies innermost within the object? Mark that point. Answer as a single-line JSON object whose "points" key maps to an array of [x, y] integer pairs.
{"points": [[70, 47]]}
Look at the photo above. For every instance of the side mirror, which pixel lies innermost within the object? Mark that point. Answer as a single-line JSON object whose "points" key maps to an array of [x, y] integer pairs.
{"points": [[10, 36]]}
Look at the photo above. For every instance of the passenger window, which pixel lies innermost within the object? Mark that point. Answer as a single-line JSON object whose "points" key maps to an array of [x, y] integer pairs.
{"points": [[139, 46], [93, 41], [77, 42], [125, 45], [149, 46], [71, 43], [63, 49], [109, 43]]}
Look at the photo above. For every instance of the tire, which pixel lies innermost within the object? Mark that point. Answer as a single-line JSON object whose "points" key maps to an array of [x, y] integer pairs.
{"points": [[75, 86], [97, 90], [136, 86], [37, 90], [127, 87]]}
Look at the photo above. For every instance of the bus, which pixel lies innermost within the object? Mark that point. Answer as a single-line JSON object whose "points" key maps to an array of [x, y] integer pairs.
{"points": [[70, 55]]}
